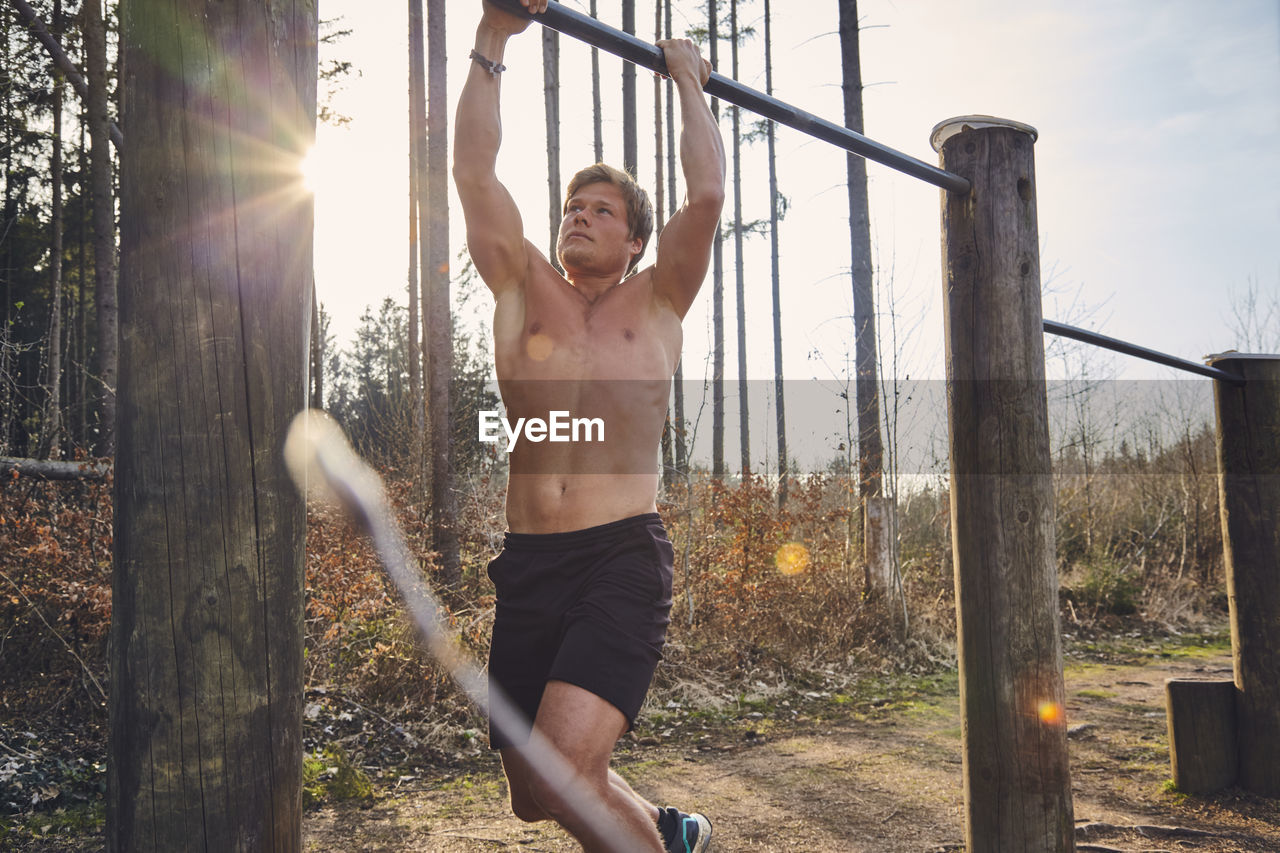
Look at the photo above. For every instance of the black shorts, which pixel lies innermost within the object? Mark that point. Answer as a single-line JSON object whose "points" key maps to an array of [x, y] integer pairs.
{"points": [[589, 607]]}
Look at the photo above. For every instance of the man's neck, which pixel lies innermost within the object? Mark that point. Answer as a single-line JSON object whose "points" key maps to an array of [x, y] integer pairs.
{"points": [[593, 286]]}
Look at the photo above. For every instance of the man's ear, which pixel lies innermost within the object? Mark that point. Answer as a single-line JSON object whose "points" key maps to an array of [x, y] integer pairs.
{"points": [[637, 246]]}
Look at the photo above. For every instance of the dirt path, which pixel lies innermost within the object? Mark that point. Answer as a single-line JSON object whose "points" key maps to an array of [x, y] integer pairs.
{"points": [[833, 772]]}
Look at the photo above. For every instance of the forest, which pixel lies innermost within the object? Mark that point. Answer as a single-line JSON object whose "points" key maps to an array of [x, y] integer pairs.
{"points": [[774, 582]]}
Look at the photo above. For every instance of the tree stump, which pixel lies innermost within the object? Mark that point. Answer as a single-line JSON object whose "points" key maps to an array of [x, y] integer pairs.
{"points": [[1202, 734]]}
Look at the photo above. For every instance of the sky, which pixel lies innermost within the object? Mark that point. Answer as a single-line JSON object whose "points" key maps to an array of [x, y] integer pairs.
{"points": [[1158, 181]]}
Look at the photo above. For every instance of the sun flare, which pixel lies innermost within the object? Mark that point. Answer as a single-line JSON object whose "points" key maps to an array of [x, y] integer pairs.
{"points": [[312, 169]]}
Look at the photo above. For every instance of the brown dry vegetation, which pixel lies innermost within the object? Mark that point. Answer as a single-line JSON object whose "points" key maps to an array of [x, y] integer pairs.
{"points": [[757, 622]]}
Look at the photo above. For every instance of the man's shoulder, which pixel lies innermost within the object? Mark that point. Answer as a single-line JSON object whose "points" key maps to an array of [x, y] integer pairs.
{"points": [[646, 282]]}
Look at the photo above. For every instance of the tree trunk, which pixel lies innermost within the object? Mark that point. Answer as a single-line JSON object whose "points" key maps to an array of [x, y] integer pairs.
{"points": [[51, 427], [8, 214], [316, 367], [678, 431], [417, 153], [740, 292], [60, 58], [104, 226], [779, 397], [629, 140], [551, 106], [444, 513], [206, 641], [597, 128], [870, 449], [717, 294], [669, 471], [81, 407], [47, 469]]}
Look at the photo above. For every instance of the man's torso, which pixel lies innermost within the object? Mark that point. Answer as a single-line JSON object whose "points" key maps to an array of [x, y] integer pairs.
{"points": [[612, 360]]}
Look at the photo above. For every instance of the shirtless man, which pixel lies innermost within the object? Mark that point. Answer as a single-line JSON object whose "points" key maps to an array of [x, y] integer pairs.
{"points": [[584, 577]]}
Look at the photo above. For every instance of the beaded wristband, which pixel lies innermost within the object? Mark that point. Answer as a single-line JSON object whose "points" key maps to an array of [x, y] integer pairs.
{"points": [[487, 64]]}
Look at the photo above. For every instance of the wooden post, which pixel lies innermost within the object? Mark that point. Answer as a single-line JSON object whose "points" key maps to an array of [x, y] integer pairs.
{"points": [[1249, 498], [1202, 733], [205, 743], [1016, 777]]}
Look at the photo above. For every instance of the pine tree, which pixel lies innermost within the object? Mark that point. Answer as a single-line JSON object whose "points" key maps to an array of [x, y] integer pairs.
{"points": [[444, 512], [870, 448], [744, 434], [775, 202]]}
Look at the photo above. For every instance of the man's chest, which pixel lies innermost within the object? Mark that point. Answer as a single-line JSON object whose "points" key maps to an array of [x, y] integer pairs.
{"points": [[561, 336]]}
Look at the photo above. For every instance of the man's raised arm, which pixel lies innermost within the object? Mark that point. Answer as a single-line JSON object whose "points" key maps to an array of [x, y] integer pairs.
{"points": [[684, 246], [495, 233]]}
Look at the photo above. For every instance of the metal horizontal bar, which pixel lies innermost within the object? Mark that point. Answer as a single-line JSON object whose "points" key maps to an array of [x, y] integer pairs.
{"points": [[589, 30], [1055, 328]]}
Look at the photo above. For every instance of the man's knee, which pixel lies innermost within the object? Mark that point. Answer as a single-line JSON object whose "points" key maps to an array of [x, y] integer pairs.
{"points": [[524, 807], [566, 807], [523, 804]]}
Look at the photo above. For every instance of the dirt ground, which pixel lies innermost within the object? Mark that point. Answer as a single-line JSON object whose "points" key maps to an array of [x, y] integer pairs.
{"points": [[841, 772]]}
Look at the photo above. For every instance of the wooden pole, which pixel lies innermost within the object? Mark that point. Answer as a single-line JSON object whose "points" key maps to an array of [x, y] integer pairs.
{"points": [[1249, 499], [205, 743], [1016, 777], [1202, 734]]}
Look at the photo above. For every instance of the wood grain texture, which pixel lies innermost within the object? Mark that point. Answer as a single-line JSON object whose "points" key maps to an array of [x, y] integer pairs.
{"points": [[216, 247], [1016, 776], [1249, 499], [1202, 734]]}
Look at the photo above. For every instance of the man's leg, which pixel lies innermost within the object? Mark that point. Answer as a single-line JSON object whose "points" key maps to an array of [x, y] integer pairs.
{"points": [[584, 728], [527, 809]]}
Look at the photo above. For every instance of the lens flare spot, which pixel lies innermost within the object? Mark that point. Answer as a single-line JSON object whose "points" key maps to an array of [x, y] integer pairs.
{"points": [[1051, 713], [792, 559], [311, 169], [539, 347]]}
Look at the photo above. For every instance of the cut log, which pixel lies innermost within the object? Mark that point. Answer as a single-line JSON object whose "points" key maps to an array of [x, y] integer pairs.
{"points": [[52, 469], [1202, 734]]}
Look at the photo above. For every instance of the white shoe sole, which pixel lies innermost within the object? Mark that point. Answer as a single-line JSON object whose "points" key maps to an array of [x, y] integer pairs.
{"points": [[703, 843]]}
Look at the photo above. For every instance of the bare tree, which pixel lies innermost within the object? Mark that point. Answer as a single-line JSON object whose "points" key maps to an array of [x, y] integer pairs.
{"points": [[51, 426], [444, 513], [870, 448], [775, 202], [598, 136], [551, 106], [717, 292], [104, 225], [417, 138], [678, 424], [744, 434], [669, 471], [1255, 319], [629, 141]]}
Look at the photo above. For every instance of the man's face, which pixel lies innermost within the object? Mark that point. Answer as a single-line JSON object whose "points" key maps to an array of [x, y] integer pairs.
{"points": [[593, 233]]}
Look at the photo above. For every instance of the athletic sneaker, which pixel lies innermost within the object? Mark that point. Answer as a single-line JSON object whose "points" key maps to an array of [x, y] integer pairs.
{"points": [[684, 833]]}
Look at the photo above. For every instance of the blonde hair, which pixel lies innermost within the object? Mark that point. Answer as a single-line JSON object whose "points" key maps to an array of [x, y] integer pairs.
{"points": [[639, 210]]}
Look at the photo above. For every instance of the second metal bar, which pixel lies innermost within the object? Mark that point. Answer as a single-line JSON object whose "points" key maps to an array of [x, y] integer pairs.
{"points": [[1055, 328], [628, 47]]}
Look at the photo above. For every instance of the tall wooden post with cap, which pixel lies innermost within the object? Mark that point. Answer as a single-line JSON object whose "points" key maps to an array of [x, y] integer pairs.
{"points": [[1248, 418], [1017, 782]]}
